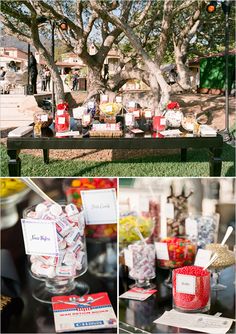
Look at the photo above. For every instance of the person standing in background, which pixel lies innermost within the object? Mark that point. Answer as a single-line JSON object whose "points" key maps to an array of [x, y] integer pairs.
{"points": [[48, 79], [2, 73], [42, 75], [75, 81], [33, 72]]}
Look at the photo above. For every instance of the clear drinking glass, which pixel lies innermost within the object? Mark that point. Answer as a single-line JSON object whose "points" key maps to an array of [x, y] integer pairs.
{"points": [[59, 273]]}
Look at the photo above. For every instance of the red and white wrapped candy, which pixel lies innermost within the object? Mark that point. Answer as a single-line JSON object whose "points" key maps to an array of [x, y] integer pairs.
{"points": [[143, 261], [70, 227]]}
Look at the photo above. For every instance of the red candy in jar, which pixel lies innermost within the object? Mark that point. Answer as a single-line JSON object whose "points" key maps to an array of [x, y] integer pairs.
{"points": [[191, 289], [180, 252], [62, 118]]}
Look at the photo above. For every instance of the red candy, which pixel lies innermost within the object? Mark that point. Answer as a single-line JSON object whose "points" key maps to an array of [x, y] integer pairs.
{"points": [[188, 301], [181, 252]]}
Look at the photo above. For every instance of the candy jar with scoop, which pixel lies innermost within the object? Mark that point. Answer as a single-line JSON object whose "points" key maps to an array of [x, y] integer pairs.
{"points": [[54, 237]]}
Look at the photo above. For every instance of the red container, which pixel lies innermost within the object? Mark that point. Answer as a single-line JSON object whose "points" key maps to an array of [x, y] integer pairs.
{"points": [[191, 289], [159, 123], [62, 121]]}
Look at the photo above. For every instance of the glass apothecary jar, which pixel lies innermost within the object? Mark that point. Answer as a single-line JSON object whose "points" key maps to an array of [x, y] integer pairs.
{"points": [[58, 272], [191, 289], [140, 259], [202, 228]]}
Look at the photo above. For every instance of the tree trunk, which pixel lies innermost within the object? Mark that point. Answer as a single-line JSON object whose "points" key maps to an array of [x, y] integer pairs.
{"points": [[182, 70], [95, 84]]}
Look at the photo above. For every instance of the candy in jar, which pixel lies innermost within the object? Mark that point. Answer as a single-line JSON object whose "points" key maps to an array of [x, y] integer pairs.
{"points": [[142, 265], [175, 252], [62, 118], [191, 289]]}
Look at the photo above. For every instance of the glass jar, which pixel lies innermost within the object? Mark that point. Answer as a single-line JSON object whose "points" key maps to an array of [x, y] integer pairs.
{"points": [[174, 253], [142, 265], [191, 289], [179, 252], [127, 224], [174, 118], [62, 121], [188, 122], [59, 272], [202, 228], [129, 119], [37, 126]]}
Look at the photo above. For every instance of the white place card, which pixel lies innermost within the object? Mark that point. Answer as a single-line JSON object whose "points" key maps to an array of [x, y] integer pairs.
{"points": [[61, 120], [78, 112], [60, 112], [203, 257], [40, 237], [148, 113], [162, 251], [163, 121], [131, 104], [170, 212], [196, 322], [86, 118], [100, 206], [91, 104], [44, 118], [104, 98], [129, 119], [185, 284], [128, 255], [118, 99], [109, 108], [136, 113], [191, 227]]}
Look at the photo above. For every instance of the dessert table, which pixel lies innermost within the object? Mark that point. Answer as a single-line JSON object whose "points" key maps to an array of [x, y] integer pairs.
{"points": [[138, 316], [145, 140]]}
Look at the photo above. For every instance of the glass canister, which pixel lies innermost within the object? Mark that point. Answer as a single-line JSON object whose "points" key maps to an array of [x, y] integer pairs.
{"points": [[141, 263], [58, 272], [202, 228], [129, 119], [62, 121], [191, 289], [189, 121]]}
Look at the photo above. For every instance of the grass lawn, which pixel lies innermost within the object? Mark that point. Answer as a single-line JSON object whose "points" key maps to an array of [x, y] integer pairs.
{"points": [[168, 165]]}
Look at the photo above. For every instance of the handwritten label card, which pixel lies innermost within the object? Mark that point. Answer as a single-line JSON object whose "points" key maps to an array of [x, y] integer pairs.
{"points": [[138, 294], [104, 98], [100, 206], [185, 284], [203, 257], [131, 104], [118, 99], [162, 251], [61, 120], [40, 237], [44, 118]]}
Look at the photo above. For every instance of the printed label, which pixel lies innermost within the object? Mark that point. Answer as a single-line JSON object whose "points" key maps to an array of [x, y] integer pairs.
{"points": [[129, 120], [40, 237], [60, 112], [118, 99], [162, 251], [109, 108], [104, 98], [185, 284], [131, 104]]}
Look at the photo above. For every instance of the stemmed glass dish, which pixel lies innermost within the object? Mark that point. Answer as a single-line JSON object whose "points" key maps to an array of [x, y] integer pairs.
{"points": [[226, 258]]}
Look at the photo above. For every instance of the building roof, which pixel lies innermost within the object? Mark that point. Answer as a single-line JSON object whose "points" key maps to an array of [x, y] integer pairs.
{"points": [[12, 48]]}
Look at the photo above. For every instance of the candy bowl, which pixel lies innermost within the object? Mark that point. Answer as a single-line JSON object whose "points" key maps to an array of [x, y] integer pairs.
{"points": [[58, 270], [191, 289], [188, 122], [226, 258], [173, 118], [174, 252], [140, 259]]}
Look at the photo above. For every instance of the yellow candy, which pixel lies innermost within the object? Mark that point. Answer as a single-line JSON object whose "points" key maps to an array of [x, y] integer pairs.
{"points": [[10, 186]]}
